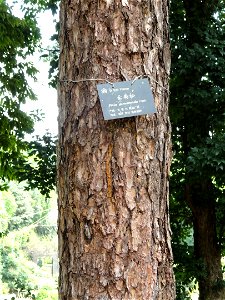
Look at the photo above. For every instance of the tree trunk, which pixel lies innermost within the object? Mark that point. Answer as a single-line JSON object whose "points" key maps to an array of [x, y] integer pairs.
{"points": [[114, 235], [200, 197]]}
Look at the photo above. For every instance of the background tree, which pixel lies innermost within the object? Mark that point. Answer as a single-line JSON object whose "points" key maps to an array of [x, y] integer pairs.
{"points": [[114, 237], [37, 166], [19, 38], [197, 114], [28, 235]]}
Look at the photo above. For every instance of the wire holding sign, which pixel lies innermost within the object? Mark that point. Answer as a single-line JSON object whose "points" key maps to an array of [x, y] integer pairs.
{"points": [[126, 99]]}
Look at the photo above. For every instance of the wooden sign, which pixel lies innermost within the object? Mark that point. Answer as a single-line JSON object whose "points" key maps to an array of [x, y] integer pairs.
{"points": [[126, 99]]}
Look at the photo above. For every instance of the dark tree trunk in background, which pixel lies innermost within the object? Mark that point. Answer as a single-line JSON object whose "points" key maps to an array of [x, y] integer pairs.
{"points": [[114, 235], [202, 203]]}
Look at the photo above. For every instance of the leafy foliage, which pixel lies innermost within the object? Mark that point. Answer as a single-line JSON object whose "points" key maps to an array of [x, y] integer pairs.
{"points": [[38, 166], [198, 122], [27, 209], [19, 38], [52, 55], [15, 271], [21, 159], [27, 236], [31, 7], [22, 216], [46, 293]]}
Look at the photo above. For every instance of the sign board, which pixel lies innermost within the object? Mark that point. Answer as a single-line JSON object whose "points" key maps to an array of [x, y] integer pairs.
{"points": [[126, 99]]}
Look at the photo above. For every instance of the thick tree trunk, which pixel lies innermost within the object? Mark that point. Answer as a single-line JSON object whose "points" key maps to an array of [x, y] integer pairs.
{"points": [[201, 201], [114, 236]]}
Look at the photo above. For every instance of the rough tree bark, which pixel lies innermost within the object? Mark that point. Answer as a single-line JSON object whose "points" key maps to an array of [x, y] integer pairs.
{"points": [[114, 235]]}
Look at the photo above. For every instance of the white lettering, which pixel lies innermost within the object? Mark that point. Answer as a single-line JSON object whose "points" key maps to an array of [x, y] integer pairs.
{"points": [[124, 89], [129, 102]]}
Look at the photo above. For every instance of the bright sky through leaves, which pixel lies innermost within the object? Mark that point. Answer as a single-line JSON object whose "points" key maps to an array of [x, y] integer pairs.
{"points": [[47, 96]]}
